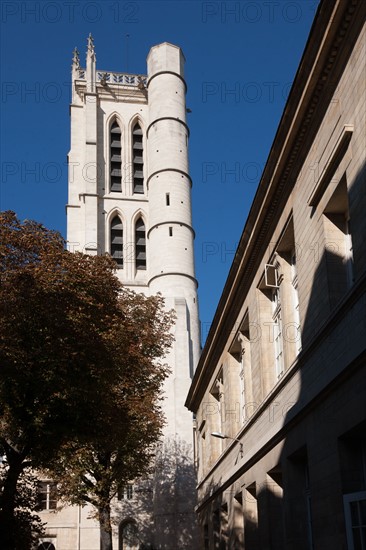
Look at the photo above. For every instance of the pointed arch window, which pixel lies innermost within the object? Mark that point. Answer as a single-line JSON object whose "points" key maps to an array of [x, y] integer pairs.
{"points": [[128, 536], [140, 240], [116, 157], [117, 240], [138, 159]]}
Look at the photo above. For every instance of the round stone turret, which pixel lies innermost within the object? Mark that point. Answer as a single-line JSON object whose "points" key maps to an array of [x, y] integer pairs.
{"points": [[170, 226]]}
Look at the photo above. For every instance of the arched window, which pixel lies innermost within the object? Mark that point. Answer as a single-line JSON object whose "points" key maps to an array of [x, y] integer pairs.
{"points": [[117, 240], [140, 243], [116, 157], [128, 536], [138, 159]]}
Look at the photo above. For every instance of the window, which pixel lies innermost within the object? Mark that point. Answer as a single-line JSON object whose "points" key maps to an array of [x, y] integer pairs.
{"points": [[298, 501], [140, 243], [217, 420], [115, 158], [126, 492], [128, 536], [117, 241], [242, 380], [277, 331], [138, 159], [245, 366], [271, 314], [46, 546], [167, 199], [355, 516], [352, 453], [203, 449], [295, 302], [47, 495], [240, 350]]}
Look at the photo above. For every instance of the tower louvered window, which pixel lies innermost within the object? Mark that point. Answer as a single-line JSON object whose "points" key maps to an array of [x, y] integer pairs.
{"points": [[140, 240], [116, 158], [117, 241], [138, 159]]}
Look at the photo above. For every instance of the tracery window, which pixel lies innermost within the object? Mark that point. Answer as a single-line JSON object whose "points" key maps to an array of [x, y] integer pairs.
{"points": [[115, 158], [138, 159], [140, 244], [117, 240]]}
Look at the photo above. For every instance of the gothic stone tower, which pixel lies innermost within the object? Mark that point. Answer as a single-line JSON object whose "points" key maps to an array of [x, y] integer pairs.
{"points": [[129, 195]]}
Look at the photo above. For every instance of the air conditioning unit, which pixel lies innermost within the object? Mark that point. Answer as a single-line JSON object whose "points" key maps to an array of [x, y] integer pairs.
{"points": [[270, 276]]}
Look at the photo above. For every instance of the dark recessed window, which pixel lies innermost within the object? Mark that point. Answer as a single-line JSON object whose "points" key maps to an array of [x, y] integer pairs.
{"points": [[117, 240], [137, 159], [116, 158], [140, 240]]}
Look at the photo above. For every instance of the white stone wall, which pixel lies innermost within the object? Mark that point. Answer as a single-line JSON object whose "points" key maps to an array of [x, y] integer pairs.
{"points": [[160, 110]]}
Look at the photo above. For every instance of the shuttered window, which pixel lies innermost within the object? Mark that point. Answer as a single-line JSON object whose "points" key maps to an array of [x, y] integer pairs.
{"points": [[140, 240], [117, 241], [116, 158], [138, 159]]}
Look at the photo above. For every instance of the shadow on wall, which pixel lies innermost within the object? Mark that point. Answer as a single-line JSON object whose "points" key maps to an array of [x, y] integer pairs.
{"points": [[216, 533], [159, 513], [314, 497], [322, 459]]}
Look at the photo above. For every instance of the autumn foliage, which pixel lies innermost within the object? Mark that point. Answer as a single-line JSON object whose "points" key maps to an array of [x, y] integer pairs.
{"points": [[81, 371]]}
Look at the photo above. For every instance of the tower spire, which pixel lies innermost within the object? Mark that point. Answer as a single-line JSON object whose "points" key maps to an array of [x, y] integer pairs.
{"points": [[90, 65], [76, 58], [90, 49], [75, 66]]}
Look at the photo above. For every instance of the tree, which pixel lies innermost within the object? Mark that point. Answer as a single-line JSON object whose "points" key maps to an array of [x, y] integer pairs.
{"points": [[29, 527], [78, 355], [122, 442]]}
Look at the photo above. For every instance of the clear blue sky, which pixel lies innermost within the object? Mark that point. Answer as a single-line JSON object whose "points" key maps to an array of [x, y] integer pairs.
{"points": [[241, 60]]}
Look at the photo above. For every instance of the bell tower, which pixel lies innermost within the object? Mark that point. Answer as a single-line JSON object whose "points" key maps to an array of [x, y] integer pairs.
{"points": [[130, 196]]}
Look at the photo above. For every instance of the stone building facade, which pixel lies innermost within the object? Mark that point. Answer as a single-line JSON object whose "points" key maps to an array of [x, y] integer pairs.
{"points": [[280, 389], [129, 196]]}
